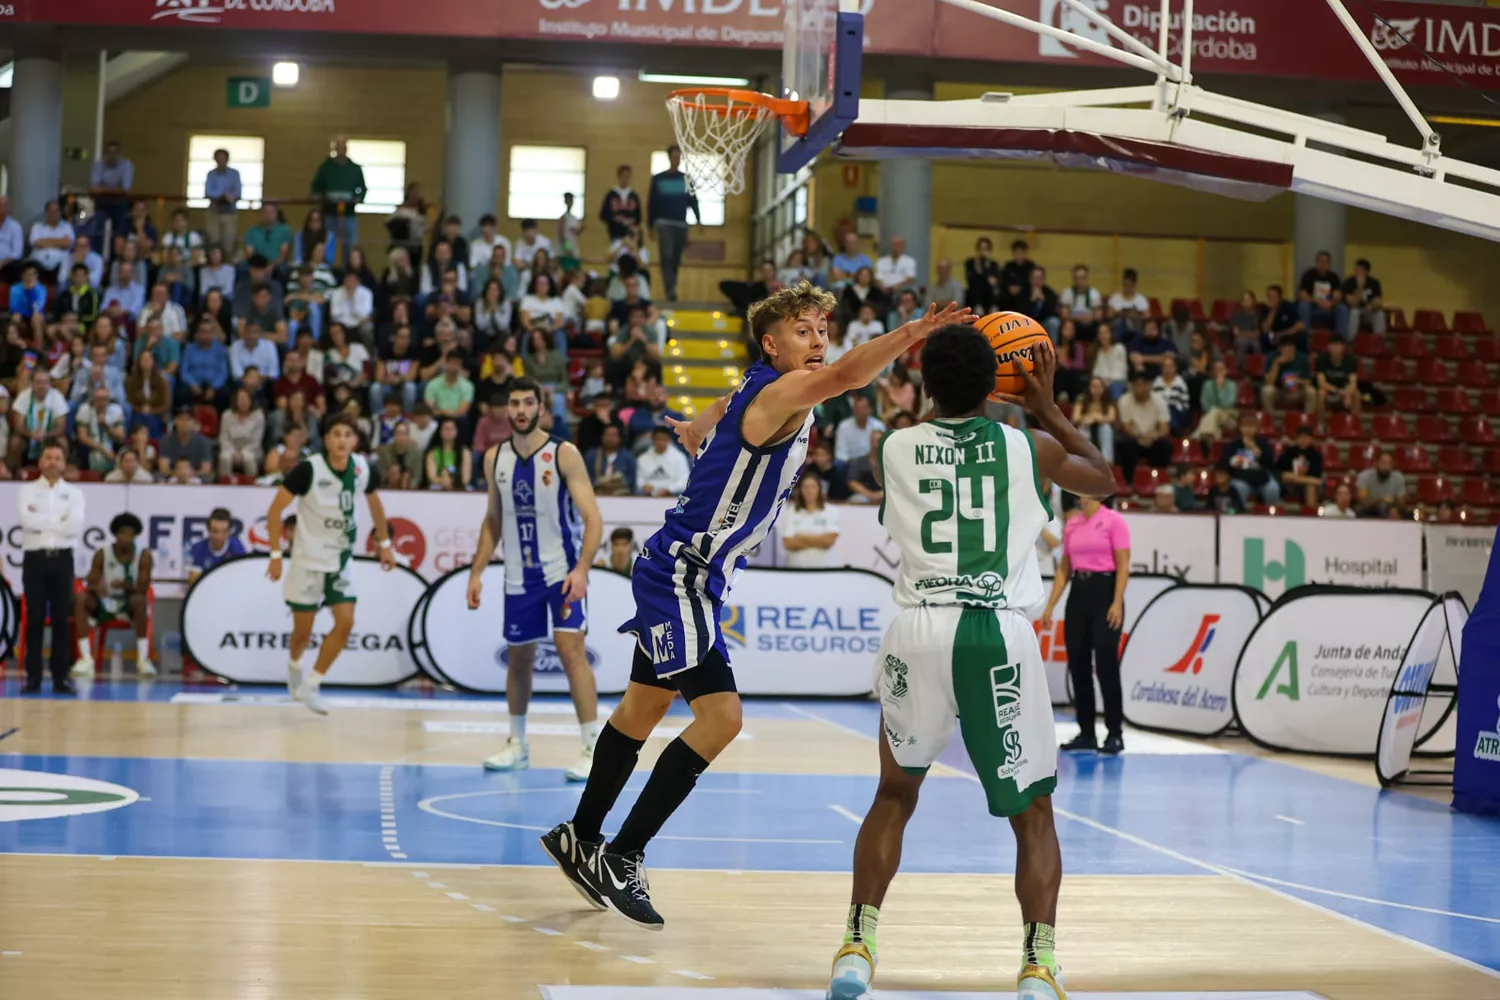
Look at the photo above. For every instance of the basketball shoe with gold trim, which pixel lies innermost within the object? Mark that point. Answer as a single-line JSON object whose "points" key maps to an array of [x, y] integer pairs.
{"points": [[1037, 982]]}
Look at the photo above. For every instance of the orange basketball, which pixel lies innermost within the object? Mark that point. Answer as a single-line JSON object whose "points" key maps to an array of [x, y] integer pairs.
{"points": [[1015, 338]]}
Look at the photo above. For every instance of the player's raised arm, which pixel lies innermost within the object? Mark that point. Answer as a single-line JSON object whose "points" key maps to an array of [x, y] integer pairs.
{"points": [[804, 388], [1064, 454], [489, 531], [576, 475]]}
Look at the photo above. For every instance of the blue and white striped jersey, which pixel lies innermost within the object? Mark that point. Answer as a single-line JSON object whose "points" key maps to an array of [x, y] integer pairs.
{"points": [[733, 497], [541, 529]]}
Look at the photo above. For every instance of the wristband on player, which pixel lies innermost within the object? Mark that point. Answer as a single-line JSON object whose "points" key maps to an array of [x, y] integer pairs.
{"points": [[275, 554], [385, 543]]}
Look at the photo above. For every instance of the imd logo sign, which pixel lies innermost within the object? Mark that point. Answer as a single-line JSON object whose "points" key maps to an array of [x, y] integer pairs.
{"points": [[43, 795]]}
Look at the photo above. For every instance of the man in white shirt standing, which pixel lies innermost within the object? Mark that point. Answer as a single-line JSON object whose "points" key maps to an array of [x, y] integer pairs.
{"points": [[897, 270], [662, 470], [51, 243], [51, 514]]}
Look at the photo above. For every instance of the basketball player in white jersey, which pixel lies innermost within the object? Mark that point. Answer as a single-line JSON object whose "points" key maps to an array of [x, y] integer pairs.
{"points": [[325, 487], [542, 510], [964, 501], [116, 591]]}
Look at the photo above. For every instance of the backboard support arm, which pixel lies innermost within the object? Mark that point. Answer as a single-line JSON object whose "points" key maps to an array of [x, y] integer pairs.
{"points": [[1431, 141]]}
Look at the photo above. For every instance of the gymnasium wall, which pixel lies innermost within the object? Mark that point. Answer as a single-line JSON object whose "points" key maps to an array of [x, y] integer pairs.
{"points": [[410, 104]]}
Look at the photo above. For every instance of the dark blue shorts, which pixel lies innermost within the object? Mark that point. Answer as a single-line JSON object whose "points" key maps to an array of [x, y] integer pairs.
{"points": [[526, 615], [675, 626]]}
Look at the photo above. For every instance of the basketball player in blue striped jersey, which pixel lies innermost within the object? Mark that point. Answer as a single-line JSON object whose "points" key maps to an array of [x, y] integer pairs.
{"points": [[750, 446], [542, 510]]}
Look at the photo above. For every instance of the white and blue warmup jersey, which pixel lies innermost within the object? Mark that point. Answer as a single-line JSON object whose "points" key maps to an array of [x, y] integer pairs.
{"points": [[733, 497], [540, 535]]}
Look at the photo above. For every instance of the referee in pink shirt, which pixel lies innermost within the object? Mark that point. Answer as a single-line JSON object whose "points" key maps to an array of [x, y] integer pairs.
{"points": [[1096, 556]]}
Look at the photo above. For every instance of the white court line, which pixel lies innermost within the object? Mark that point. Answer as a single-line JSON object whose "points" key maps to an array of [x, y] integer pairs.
{"points": [[591, 945], [689, 974], [847, 814], [1364, 899], [1288, 819], [1240, 877], [639, 959], [457, 895], [483, 907], [547, 931]]}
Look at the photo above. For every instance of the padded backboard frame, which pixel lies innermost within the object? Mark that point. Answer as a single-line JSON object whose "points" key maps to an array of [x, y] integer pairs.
{"points": [[822, 65]]}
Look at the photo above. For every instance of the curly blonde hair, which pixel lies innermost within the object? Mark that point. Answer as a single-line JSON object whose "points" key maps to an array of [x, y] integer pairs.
{"points": [[787, 304]]}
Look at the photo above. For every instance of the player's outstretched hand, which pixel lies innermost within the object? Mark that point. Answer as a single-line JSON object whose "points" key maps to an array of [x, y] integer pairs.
{"points": [[1038, 395], [933, 320], [274, 570], [476, 589], [387, 557], [575, 585], [686, 435]]}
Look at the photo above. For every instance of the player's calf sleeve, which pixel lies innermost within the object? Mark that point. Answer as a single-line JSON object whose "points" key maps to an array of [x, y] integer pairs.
{"points": [[674, 776], [614, 759]]}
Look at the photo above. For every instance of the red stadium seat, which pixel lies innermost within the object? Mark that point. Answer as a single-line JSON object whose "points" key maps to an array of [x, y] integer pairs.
{"points": [[208, 420], [1433, 428], [1216, 449], [1362, 456], [1395, 321], [1409, 345], [1221, 311], [1434, 489], [1431, 371], [1389, 427], [1185, 451], [1489, 402], [1319, 341], [1479, 491], [1476, 431], [1255, 365], [1195, 309], [1455, 460], [1469, 322], [1292, 420], [1147, 480], [1450, 348], [1370, 345], [1398, 371], [90, 476], [1265, 423], [1120, 483], [1248, 395], [1333, 456], [1345, 427], [1429, 321], [1454, 402], [1154, 308], [1413, 458], [1475, 375], [1486, 349], [1411, 399], [1491, 461], [1202, 480]]}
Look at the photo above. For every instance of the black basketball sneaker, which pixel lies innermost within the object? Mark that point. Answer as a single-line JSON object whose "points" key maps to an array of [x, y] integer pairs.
{"points": [[622, 879], [575, 858]]}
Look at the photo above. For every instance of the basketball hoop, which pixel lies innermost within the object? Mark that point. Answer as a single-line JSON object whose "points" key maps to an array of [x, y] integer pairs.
{"points": [[717, 127]]}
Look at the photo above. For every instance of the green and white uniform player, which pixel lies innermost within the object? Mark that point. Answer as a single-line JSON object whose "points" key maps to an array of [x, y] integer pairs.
{"points": [[116, 591], [325, 488], [963, 501]]}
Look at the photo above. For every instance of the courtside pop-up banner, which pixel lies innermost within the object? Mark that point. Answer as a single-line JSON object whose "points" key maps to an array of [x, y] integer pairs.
{"points": [[235, 623], [789, 632], [467, 649], [1317, 671], [1140, 591], [1178, 669], [1476, 766], [1423, 697]]}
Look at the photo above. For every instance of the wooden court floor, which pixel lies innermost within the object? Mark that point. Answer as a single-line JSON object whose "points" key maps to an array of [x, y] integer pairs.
{"points": [[257, 862]]}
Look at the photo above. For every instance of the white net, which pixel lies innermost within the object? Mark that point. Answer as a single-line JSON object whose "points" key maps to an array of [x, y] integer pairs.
{"points": [[716, 134]]}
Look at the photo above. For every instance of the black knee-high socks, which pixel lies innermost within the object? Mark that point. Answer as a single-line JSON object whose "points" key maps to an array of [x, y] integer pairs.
{"points": [[615, 755], [674, 776]]}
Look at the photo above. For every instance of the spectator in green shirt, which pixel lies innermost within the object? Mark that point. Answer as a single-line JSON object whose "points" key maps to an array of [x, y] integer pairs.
{"points": [[340, 182], [451, 394], [272, 239], [1219, 400]]}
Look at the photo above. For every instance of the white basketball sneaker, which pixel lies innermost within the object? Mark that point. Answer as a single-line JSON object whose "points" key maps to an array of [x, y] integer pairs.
{"points": [[293, 679], [853, 968], [1037, 982], [307, 693], [515, 757], [83, 666], [145, 668], [582, 766]]}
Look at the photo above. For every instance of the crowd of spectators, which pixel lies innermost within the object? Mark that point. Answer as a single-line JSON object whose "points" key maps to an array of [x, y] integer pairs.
{"points": [[195, 354]]}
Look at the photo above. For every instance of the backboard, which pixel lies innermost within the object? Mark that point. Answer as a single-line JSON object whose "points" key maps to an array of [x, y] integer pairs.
{"points": [[821, 63]]}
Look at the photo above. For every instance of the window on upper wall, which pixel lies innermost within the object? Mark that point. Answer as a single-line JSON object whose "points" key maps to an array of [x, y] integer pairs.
{"points": [[384, 164], [540, 176], [710, 205], [247, 154]]}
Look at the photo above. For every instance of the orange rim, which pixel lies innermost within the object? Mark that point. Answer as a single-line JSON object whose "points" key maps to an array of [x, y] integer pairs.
{"points": [[793, 114]]}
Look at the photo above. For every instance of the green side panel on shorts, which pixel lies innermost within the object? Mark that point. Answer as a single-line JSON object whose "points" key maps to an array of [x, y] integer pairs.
{"points": [[303, 607], [987, 688]]}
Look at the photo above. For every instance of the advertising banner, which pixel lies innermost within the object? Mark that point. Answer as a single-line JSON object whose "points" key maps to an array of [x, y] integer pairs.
{"points": [[1289, 38], [789, 632], [1476, 765], [1422, 697], [1277, 554], [1316, 673], [1457, 557], [235, 623], [1140, 591], [1178, 669]]}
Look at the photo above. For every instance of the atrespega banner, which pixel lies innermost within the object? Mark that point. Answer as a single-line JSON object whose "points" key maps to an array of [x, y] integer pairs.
{"points": [[1177, 672], [1316, 673]]}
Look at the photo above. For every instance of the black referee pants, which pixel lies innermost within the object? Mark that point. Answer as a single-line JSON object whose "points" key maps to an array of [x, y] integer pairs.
{"points": [[1093, 647], [47, 582]]}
